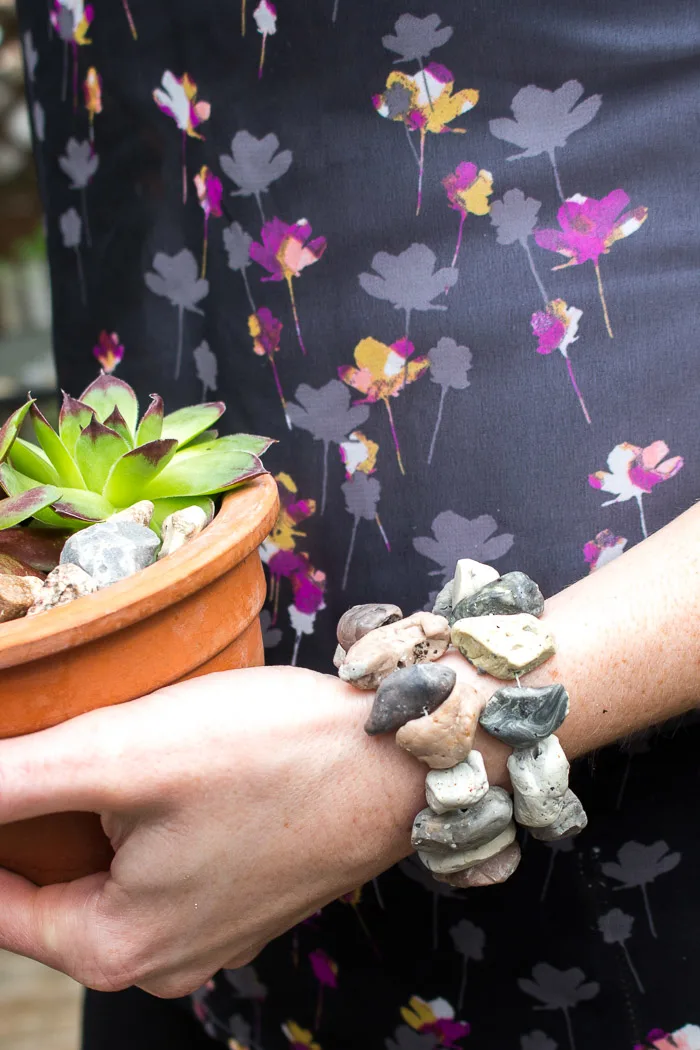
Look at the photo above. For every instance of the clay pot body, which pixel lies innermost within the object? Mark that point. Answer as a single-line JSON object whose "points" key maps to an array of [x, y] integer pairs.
{"points": [[190, 614]]}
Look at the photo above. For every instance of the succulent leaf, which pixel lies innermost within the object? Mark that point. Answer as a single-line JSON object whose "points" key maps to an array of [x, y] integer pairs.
{"points": [[38, 548], [130, 475], [230, 443], [188, 423], [56, 451], [72, 503], [108, 392], [205, 474], [97, 450], [31, 460], [164, 507], [204, 438], [11, 428], [19, 508], [72, 420], [116, 422], [151, 425]]}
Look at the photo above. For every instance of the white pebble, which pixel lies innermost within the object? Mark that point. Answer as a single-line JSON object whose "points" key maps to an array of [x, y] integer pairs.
{"points": [[459, 787]]}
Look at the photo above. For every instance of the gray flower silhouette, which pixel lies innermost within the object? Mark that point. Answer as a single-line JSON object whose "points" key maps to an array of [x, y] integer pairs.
{"points": [[31, 55], [616, 928], [71, 228], [537, 1040], [272, 636], [177, 279], [361, 494], [80, 163], [469, 941], [239, 1030], [39, 118], [559, 990], [555, 848], [637, 866], [246, 983], [515, 218], [456, 537], [544, 120], [409, 281], [206, 366], [254, 165], [237, 243], [449, 365], [414, 38], [406, 1038], [326, 414]]}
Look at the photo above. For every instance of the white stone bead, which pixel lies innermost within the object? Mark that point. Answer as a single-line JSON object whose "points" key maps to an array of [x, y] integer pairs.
{"points": [[448, 863], [470, 577], [181, 527], [540, 778], [459, 787]]}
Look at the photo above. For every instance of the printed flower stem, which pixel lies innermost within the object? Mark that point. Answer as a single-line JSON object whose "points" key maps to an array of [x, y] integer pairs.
{"points": [[324, 481], [569, 1027], [462, 219], [425, 82], [91, 127], [579, 395], [548, 876], [377, 893], [414, 151], [64, 81], [351, 548], [334, 16], [204, 246], [130, 20], [251, 301], [81, 276], [262, 56], [555, 169], [184, 167], [279, 390], [319, 1005], [642, 517], [74, 48], [258, 198], [623, 782], [394, 435], [243, 13], [647, 906], [602, 299], [365, 930], [83, 208], [383, 533], [443, 394], [294, 311], [421, 166], [295, 653], [533, 270], [178, 359], [462, 984], [633, 968]]}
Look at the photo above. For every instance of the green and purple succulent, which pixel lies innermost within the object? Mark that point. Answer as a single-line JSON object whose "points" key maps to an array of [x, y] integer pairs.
{"points": [[104, 459]]}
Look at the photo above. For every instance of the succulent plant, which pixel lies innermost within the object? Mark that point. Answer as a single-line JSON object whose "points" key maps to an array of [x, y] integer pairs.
{"points": [[104, 459]]}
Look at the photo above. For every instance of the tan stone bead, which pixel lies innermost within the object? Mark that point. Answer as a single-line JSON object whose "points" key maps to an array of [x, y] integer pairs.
{"points": [[490, 872], [17, 595], [416, 639], [139, 513], [181, 527], [503, 646], [445, 737], [64, 584]]}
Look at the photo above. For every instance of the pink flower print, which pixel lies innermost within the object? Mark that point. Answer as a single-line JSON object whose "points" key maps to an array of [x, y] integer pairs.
{"points": [[686, 1038], [635, 471], [424, 102], [72, 19], [92, 94], [603, 549], [108, 351], [468, 190], [436, 1018], [129, 18], [308, 586], [265, 17], [177, 97], [284, 252], [589, 228], [265, 330], [326, 973], [556, 328], [209, 194]]}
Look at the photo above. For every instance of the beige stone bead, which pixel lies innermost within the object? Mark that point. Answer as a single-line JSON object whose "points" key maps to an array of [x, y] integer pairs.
{"points": [[459, 787], [181, 527], [339, 656], [139, 513], [445, 737], [419, 638], [503, 646], [490, 872], [64, 584], [459, 860], [470, 577], [17, 595]]}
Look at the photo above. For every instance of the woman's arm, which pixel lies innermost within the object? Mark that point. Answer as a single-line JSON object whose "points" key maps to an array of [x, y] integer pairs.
{"points": [[241, 803]]}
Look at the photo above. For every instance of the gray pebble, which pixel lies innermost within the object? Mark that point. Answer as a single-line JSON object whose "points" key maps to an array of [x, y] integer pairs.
{"points": [[463, 828], [111, 550], [522, 716], [443, 602], [571, 821], [361, 619], [513, 593], [409, 693]]}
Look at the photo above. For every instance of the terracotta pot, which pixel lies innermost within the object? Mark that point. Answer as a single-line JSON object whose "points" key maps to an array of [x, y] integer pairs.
{"points": [[187, 615]]}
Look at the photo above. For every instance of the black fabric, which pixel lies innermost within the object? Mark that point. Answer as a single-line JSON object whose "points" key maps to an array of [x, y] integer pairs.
{"points": [[133, 1020]]}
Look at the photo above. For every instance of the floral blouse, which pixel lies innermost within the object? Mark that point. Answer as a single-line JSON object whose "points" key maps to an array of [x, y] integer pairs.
{"points": [[447, 254]]}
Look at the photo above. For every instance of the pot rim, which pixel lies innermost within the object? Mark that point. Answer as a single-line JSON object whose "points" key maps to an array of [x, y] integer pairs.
{"points": [[244, 520]]}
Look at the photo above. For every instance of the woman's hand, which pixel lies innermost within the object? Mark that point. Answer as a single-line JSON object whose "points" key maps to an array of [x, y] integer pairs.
{"points": [[237, 805]]}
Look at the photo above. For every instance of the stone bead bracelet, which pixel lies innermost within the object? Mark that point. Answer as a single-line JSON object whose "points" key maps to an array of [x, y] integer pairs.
{"points": [[467, 834]]}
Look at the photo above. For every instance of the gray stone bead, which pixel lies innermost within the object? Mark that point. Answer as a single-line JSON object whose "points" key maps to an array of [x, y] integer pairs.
{"points": [[513, 593], [443, 602], [459, 860], [361, 619], [522, 716], [461, 829], [571, 821], [111, 550], [409, 693], [540, 778], [491, 872]]}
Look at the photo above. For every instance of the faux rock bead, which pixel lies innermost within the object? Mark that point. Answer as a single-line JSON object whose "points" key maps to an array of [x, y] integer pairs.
{"points": [[503, 646], [459, 787], [420, 638], [513, 593], [181, 527], [490, 872], [361, 619], [571, 821], [445, 737], [470, 576], [338, 656], [17, 595], [111, 550], [407, 694], [462, 829], [443, 602], [522, 716], [540, 778], [459, 860], [138, 513], [64, 584]]}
